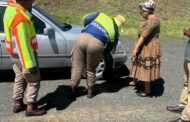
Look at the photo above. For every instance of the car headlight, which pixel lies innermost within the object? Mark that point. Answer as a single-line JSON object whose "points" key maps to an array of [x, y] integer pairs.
{"points": [[119, 48]]}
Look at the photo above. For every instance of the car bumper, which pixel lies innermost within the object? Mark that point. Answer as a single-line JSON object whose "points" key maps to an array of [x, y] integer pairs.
{"points": [[119, 59]]}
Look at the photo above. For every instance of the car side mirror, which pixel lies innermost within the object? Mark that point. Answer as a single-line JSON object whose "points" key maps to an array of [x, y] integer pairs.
{"points": [[49, 31]]}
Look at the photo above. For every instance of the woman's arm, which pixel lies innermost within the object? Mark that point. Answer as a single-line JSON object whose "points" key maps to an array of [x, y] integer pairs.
{"points": [[137, 45]]}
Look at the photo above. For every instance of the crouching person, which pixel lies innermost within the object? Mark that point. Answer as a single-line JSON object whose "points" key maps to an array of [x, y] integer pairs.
{"points": [[21, 44], [99, 36]]}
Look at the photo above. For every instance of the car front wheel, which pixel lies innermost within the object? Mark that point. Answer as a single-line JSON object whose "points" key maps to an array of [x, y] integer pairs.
{"points": [[100, 69], [104, 68]]}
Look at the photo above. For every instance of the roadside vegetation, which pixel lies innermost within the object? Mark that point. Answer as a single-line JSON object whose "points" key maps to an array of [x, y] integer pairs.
{"points": [[174, 14]]}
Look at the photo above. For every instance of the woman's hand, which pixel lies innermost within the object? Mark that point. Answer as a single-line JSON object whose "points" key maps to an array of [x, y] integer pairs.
{"points": [[138, 45], [135, 51]]}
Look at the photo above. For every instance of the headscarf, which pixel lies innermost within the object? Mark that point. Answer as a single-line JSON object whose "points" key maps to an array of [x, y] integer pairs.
{"points": [[148, 6]]}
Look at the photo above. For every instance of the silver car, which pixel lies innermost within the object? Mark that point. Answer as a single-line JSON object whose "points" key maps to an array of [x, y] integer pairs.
{"points": [[55, 41]]}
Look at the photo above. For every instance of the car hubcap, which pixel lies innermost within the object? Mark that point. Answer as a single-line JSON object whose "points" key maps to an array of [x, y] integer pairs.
{"points": [[100, 69]]}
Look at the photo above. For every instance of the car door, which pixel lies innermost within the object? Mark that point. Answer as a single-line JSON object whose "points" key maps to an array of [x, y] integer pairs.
{"points": [[52, 47], [1, 33], [5, 61]]}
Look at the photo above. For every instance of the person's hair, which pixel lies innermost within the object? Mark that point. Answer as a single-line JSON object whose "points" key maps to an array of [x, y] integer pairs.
{"points": [[150, 12]]}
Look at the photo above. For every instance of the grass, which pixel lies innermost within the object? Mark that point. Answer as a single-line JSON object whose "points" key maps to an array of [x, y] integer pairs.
{"points": [[174, 15]]}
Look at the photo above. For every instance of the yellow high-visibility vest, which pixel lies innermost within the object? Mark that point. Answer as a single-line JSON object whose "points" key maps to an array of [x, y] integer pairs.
{"points": [[107, 23], [20, 35]]}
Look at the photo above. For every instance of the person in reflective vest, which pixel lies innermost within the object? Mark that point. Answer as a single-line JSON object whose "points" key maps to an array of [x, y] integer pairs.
{"points": [[21, 44], [99, 36]]}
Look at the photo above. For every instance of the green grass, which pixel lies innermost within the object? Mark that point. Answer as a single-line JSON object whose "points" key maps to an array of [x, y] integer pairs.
{"points": [[174, 14], [174, 28]]}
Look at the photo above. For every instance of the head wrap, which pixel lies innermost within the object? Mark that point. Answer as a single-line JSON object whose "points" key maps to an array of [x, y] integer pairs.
{"points": [[148, 6]]}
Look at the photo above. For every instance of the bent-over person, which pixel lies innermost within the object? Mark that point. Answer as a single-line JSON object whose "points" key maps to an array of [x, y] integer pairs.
{"points": [[99, 36]]}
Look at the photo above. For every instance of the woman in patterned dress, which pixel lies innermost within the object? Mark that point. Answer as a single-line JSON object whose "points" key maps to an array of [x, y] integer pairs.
{"points": [[145, 63]]}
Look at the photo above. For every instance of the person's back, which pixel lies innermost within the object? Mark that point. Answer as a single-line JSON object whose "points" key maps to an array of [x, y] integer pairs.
{"points": [[99, 25], [16, 22]]}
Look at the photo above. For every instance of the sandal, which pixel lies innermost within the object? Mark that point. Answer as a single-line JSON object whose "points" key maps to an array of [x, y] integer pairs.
{"points": [[142, 94], [133, 82]]}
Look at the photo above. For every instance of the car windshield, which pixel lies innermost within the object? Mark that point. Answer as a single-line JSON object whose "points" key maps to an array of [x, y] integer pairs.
{"points": [[62, 26]]}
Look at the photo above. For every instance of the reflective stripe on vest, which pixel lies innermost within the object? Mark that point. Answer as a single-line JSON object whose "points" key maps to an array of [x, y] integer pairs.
{"points": [[20, 35], [34, 43], [14, 23], [107, 23], [21, 17], [8, 46]]}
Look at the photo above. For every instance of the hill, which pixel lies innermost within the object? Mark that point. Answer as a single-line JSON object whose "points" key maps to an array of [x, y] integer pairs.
{"points": [[174, 14]]}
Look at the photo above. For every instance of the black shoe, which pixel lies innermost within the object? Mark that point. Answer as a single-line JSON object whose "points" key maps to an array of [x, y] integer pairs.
{"points": [[32, 110], [90, 91], [90, 94], [18, 105], [179, 120], [35, 112], [175, 109], [17, 109], [73, 92]]}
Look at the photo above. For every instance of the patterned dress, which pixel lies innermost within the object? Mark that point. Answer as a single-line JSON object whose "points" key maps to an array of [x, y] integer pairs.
{"points": [[147, 66]]}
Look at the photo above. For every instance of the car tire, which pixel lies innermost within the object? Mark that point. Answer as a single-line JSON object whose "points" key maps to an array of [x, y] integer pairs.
{"points": [[100, 69], [104, 69]]}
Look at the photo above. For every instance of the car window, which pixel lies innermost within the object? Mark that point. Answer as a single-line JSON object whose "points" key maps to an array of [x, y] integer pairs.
{"points": [[62, 26], [38, 25], [2, 11]]}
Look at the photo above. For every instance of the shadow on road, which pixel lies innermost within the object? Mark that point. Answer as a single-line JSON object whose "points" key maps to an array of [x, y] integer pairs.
{"points": [[111, 86], [156, 88], [46, 74], [55, 74], [123, 71], [60, 99], [7, 76], [114, 81]]}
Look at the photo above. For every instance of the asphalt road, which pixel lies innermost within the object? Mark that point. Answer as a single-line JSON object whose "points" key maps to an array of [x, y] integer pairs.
{"points": [[115, 100]]}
